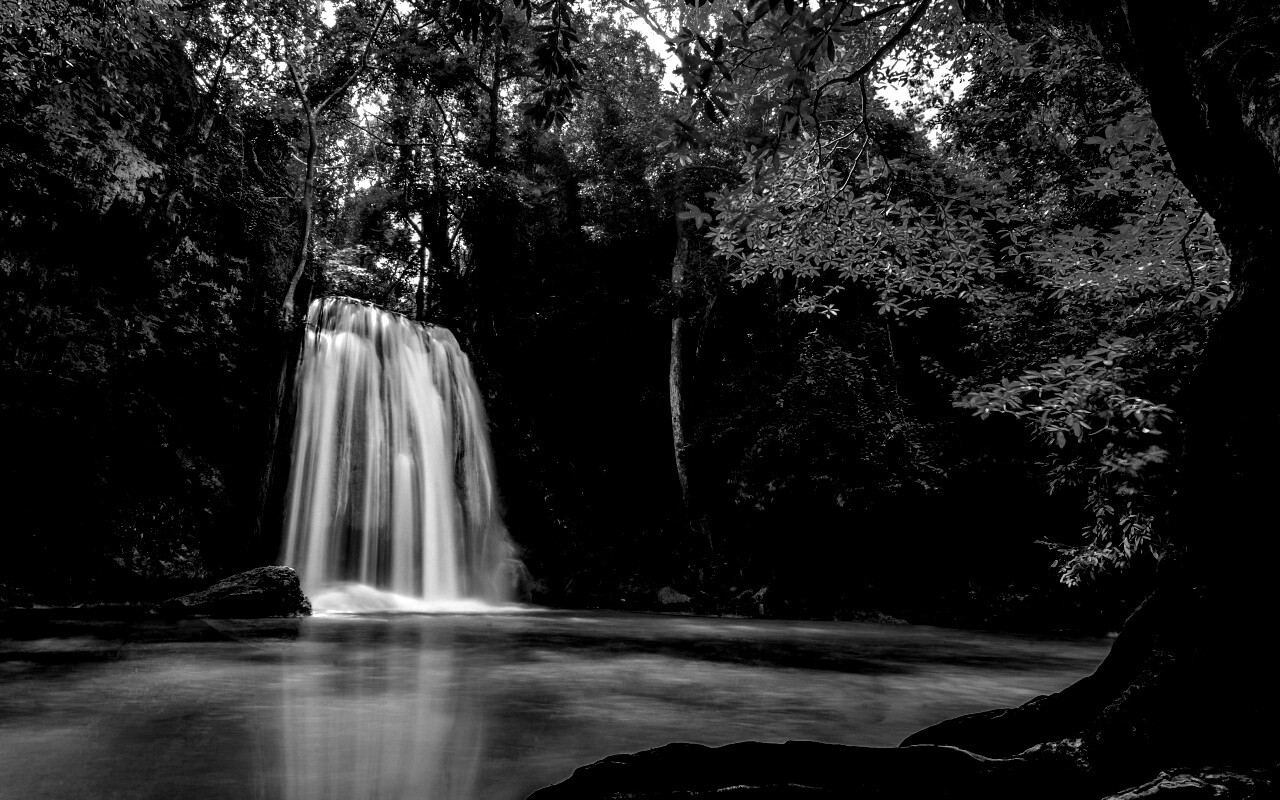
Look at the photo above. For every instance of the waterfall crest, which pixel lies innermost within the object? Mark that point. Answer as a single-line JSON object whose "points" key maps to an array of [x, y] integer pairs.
{"points": [[392, 480]]}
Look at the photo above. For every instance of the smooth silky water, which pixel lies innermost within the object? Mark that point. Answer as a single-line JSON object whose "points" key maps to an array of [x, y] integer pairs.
{"points": [[463, 707]]}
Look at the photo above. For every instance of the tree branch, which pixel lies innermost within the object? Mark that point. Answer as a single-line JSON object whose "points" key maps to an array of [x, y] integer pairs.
{"points": [[444, 117], [364, 59], [297, 85], [885, 49], [1186, 254], [647, 18]]}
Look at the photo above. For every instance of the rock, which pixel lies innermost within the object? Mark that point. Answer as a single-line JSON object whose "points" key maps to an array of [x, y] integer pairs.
{"points": [[670, 597], [259, 592], [876, 617], [748, 603], [1203, 783], [758, 599], [812, 770]]}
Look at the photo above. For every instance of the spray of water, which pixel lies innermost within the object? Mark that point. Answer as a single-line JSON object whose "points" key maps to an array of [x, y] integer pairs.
{"points": [[392, 482]]}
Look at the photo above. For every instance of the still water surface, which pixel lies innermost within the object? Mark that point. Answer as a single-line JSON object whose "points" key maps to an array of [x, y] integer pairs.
{"points": [[465, 707]]}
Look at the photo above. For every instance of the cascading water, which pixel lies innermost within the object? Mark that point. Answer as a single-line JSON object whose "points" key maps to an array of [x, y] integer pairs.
{"points": [[392, 482]]}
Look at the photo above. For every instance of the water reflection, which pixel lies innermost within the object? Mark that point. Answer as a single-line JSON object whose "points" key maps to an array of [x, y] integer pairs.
{"points": [[464, 707], [383, 718]]}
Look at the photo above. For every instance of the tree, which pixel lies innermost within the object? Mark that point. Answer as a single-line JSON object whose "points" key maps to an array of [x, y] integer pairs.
{"points": [[1204, 70], [1127, 268], [312, 107]]}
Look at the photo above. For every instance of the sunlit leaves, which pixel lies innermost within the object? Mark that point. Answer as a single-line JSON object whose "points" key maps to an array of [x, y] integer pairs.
{"points": [[816, 225], [1113, 246], [1163, 254], [1104, 440]]}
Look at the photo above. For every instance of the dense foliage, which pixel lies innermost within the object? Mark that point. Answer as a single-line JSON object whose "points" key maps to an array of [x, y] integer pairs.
{"points": [[842, 288]]}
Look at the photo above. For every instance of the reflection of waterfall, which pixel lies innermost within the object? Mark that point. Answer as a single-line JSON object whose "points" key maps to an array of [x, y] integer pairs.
{"points": [[392, 482], [383, 721]]}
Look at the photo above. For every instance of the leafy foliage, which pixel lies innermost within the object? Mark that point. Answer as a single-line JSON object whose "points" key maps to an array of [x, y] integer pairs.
{"points": [[1104, 441], [138, 247], [1050, 216], [812, 224]]}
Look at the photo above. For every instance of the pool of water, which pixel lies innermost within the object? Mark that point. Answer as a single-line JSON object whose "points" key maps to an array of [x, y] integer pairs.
{"points": [[462, 707]]}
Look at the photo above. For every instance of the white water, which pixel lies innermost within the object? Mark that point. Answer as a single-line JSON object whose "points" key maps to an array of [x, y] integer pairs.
{"points": [[359, 598], [392, 481]]}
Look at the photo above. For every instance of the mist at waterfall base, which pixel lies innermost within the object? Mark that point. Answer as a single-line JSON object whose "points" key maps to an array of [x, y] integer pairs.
{"points": [[392, 502]]}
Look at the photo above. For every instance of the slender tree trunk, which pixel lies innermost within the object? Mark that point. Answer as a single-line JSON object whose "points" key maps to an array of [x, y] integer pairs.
{"points": [[311, 113], [675, 373], [288, 308], [675, 385], [279, 433], [435, 227], [495, 96], [420, 296]]}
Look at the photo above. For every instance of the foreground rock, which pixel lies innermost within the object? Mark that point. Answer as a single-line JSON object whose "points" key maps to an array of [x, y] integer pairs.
{"points": [[259, 592], [1206, 784], [812, 770]]}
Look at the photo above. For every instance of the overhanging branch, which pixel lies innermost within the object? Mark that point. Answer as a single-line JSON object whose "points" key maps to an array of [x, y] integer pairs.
{"points": [[862, 71]]}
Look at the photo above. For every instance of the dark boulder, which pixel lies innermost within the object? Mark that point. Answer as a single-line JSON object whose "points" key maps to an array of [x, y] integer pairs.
{"points": [[259, 592]]}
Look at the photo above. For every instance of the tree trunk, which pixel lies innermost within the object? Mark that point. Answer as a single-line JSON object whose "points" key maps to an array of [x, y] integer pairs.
{"points": [[495, 96], [435, 230], [420, 295], [675, 374], [288, 308], [675, 387]]}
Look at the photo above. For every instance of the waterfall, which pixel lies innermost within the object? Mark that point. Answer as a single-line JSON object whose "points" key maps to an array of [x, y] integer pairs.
{"points": [[392, 478]]}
